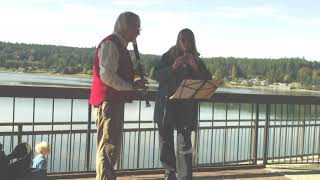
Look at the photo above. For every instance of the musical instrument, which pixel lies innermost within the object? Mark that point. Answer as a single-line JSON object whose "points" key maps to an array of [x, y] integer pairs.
{"points": [[140, 68]]}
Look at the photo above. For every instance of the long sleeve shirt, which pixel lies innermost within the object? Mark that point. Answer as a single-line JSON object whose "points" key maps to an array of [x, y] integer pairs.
{"points": [[39, 162], [109, 59]]}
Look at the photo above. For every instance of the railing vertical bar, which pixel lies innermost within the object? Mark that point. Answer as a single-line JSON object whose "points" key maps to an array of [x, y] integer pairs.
{"points": [[91, 152], [215, 149], [129, 149], [280, 134], [230, 144], [53, 153], [318, 134], [298, 133], [33, 121], [154, 146], [274, 132], [13, 122], [303, 133], [238, 133], [266, 135], [139, 135], [68, 146], [225, 136], [212, 119], [73, 145], [79, 160], [28, 140], [314, 135], [286, 135], [203, 146], [70, 132], [144, 152], [123, 150], [251, 136], [208, 146], [149, 149], [195, 139], [292, 129], [88, 139], [20, 129], [52, 122], [309, 134], [219, 145], [255, 134], [61, 137], [134, 152]]}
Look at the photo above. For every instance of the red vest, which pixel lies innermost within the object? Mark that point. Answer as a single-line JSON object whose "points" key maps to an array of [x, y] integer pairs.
{"points": [[101, 91]]}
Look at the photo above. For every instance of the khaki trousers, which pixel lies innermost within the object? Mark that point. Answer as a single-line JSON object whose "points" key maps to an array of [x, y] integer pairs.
{"points": [[109, 122]]}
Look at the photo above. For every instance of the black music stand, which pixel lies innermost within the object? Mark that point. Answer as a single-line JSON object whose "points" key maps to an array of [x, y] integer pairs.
{"points": [[190, 89]]}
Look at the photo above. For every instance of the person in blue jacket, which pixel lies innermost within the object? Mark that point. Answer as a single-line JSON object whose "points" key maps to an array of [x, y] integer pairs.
{"points": [[40, 161]]}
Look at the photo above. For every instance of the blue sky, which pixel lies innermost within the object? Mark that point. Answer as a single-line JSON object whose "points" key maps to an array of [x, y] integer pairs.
{"points": [[254, 29]]}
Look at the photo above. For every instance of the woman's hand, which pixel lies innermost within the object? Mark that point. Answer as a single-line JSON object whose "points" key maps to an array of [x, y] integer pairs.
{"points": [[189, 59], [180, 61]]}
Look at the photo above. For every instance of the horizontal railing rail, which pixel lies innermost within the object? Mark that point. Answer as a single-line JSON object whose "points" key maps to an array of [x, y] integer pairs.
{"points": [[233, 129]]}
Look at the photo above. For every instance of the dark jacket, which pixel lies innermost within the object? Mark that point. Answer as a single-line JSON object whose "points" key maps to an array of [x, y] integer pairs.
{"points": [[169, 81]]}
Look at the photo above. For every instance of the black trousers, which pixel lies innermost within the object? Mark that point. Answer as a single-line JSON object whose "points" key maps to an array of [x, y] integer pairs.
{"points": [[181, 160]]}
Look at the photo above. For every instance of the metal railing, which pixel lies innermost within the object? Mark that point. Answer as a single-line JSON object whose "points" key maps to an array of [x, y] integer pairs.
{"points": [[233, 129]]}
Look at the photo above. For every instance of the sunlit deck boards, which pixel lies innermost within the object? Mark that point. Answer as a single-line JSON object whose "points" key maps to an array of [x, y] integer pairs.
{"points": [[247, 174]]}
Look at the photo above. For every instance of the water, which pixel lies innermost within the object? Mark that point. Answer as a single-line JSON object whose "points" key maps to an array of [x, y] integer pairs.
{"points": [[13, 78], [215, 145]]}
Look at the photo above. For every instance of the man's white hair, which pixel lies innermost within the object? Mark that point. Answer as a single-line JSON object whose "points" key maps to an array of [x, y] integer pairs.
{"points": [[124, 21]]}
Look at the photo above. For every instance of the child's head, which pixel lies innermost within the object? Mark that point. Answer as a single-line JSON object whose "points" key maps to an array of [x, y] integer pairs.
{"points": [[42, 148]]}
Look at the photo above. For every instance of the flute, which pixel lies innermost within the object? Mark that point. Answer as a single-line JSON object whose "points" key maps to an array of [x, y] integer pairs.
{"points": [[140, 68]]}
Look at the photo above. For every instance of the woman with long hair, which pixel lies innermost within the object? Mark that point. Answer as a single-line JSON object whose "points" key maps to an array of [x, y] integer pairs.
{"points": [[181, 62]]}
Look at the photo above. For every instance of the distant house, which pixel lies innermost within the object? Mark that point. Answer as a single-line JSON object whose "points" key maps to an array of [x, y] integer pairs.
{"points": [[281, 86], [295, 85], [244, 83], [264, 83]]}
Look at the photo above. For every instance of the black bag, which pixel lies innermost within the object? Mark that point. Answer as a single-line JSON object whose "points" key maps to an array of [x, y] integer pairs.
{"points": [[18, 163]]}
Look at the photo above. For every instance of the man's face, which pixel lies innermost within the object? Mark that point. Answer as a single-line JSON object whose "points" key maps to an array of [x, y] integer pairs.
{"points": [[133, 31]]}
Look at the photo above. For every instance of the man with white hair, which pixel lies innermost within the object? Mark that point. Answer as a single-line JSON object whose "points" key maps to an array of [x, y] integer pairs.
{"points": [[113, 80]]}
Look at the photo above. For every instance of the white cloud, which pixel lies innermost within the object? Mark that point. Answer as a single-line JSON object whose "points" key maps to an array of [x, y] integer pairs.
{"points": [[230, 12], [138, 3], [219, 32]]}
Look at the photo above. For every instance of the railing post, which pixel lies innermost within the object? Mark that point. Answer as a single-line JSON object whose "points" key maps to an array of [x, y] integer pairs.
{"points": [[302, 135], [194, 142], [139, 136], [255, 137], [88, 144], [19, 133], [266, 135], [194, 138]]}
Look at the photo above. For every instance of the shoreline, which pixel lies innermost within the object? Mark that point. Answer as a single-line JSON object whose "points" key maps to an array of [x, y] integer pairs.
{"points": [[226, 85], [269, 88], [46, 73]]}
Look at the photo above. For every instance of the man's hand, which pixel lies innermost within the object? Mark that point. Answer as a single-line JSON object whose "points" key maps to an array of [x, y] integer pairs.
{"points": [[140, 84]]}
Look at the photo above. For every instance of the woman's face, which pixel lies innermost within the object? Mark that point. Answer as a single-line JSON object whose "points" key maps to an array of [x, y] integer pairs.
{"points": [[186, 44]]}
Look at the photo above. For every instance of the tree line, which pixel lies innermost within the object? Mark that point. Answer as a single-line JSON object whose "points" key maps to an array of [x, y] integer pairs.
{"points": [[74, 60]]}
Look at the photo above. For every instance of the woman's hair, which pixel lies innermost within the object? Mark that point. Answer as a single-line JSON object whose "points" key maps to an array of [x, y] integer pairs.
{"points": [[186, 34], [42, 148], [125, 21]]}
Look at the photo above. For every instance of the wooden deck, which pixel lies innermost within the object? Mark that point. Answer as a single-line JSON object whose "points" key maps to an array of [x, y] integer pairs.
{"points": [[246, 174]]}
